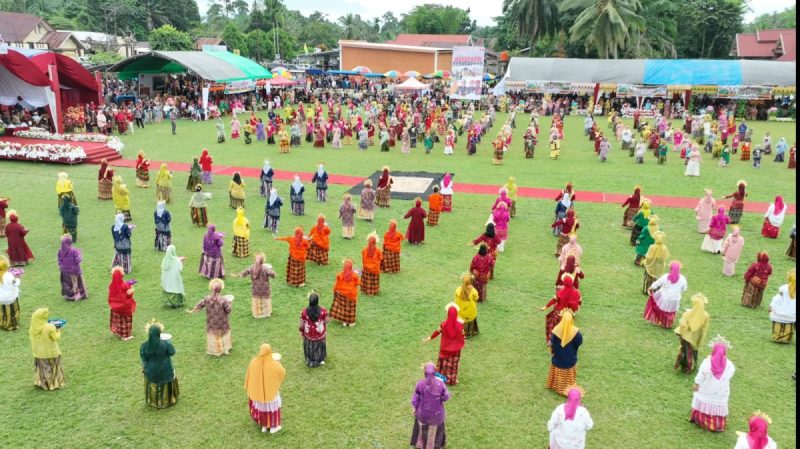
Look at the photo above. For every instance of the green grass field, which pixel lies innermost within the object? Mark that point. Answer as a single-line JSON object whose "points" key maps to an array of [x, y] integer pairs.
{"points": [[360, 398]]}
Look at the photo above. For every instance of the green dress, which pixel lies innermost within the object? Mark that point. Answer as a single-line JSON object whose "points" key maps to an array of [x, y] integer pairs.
{"points": [[644, 241], [160, 382], [69, 218]]}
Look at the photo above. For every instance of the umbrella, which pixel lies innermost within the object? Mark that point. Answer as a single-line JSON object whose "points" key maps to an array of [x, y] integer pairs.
{"points": [[282, 72], [392, 74], [488, 77], [362, 69], [280, 81], [441, 74], [411, 74]]}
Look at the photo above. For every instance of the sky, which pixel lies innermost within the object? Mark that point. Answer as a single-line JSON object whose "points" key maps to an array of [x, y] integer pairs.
{"points": [[481, 11]]}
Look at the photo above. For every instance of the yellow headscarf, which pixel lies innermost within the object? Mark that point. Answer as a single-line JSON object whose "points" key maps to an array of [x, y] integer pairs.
{"points": [[655, 261], [645, 208], [164, 178], [693, 326], [791, 277], [44, 336], [511, 187], [3, 266], [565, 329], [241, 225], [119, 194], [653, 225], [63, 185], [264, 376], [466, 299]]}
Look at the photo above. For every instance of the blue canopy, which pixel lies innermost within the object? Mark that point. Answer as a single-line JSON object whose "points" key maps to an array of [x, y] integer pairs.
{"points": [[692, 72], [315, 72], [342, 72]]}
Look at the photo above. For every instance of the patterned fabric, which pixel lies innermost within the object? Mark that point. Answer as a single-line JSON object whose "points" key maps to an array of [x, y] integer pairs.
{"points": [[481, 287], [370, 283], [322, 195], [295, 272], [782, 332], [235, 202], [241, 246], [687, 357], [261, 307], [315, 352], [655, 315], [735, 214], [343, 309], [72, 287], [424, 436], [383, 197], [121, 325], [433, 218], [471, 328], [708, 422], [298, 208], [551, 320], [647, 281], [627, 218], [752, 295], [348, 232], [271, 223], [212, 267], [317, 254], [448, 367], [199, 216], [558, 379], [447, 203], [124, 261], [390, 262], [9, 316], [162, 241], [164, 194], [218, 343], [104, 189], [635, 234], [269, 419], [48, 374], [161, 395]]}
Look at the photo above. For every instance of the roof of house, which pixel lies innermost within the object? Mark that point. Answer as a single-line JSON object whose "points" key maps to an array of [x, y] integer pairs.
{"points": [[15, 27], [55, 39], [786, 48], [763, 44], [392, 47], [92, 36], [198, 44], [432, 40]]}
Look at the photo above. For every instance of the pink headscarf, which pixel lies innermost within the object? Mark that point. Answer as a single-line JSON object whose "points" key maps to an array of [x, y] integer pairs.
{"points": [[757, 436], [779, 204], [571, 406], [446, 181], [674, 272], [719, 360]]}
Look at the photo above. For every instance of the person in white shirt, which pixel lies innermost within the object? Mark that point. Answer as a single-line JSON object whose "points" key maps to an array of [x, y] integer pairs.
{"points": [[665, 297], [569, 422], [9, 297], [773, 219], [757, 437], [712, 388], [783, 310]]}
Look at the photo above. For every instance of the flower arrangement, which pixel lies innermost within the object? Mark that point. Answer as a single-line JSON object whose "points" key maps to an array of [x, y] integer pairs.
{"points": [[113, 142], [772, 113], [42, 152]]}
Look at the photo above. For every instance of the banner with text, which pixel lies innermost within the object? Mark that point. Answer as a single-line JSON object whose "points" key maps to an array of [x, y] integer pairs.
{"points": [[467, 73], [237, 87], [745, 92], [636, 90]]}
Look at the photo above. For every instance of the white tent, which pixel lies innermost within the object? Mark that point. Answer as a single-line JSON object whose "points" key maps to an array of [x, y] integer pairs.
{"points": [[412, 84]]}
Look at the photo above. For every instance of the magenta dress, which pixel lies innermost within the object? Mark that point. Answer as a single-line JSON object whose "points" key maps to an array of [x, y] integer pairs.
{"points": [[501, 217]]}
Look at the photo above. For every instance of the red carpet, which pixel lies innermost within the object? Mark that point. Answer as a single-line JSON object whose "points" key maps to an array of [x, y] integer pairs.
{"points": [[95, 151], [525, 192]]}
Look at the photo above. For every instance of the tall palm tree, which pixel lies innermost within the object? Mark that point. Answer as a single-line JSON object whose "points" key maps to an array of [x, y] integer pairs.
{"points": [[605, 25], [155, 13], [349, 23], [533, 19]]}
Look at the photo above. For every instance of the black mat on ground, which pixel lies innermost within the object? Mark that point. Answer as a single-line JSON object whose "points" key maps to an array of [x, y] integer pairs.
{"points": [[407, 185]]}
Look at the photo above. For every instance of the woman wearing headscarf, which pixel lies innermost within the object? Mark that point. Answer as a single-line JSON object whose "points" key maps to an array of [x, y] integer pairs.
{"points": [[69, 218], [447, 192], [570, 422], [19, 254], [384, 188], [755, 281], [296, 263], [641, 220], [757, 437], [260, 273], [164, 184], [272, 211], [371, 258], [646, 239], [104, 181], [266, 179], [481, 267], [572, 269], [780, 149], [236, 191], [692, 330], [207, 163], [64, 189], [392, 239], [9, 297], [122, 200], [296, 196], [212, 264], [69, 264], [665, 297], [320, 179], [47, 371], [731, 250], [466, 298], [121, 233], [566, 226], [655, 261], [160, 382], [195, 175], [737, 205], [162, 219], [171, 281], [142, 170], [313, 328], [713, 240], [773, 219], [568, 297], [564, 343], [704, 211], [366, 208], [319, 241], [415, 234], [792, 164], [632, 202], [122, 305], [712, 388], [562, 206], [434, 207], [783, 310], [428, 400], [511, 188], [572, 248], [345, 295], [263, 381], [500, 218], [452, 332], [241, 234], [218, 309]]}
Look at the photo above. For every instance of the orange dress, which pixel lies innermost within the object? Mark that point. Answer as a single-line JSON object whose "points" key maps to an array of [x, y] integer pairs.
{"points": [[296, 252], [371, 264], [345, 288], [435, 202]]}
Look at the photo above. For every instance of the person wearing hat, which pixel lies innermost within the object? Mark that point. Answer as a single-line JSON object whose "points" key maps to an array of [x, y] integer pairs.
{"points": [[160, 382], [262, 382], [313, 328], [427, 403]]}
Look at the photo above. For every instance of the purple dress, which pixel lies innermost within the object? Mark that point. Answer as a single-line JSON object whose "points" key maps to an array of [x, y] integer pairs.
{"points": [[261, 133], [428, 402], [211, 263], [69, 262]]}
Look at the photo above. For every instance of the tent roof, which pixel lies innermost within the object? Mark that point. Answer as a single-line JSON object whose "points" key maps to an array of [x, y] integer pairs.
{"points": [[653, 71], [412, 84], [219, 66]]}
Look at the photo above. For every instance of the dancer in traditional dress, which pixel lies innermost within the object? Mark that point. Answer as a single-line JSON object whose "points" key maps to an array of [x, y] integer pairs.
{"points": [[142, 171], [266, 179], [737, 205], [162, 219], [783, 310], [568, 297], [263, 381], [164, 184], [347, 214], [655, 261], [171, 281], [320, 241], [712, 388], [570, 422], [272, 211], [366, 209], [717, 229], [69, 218], [500, 218], [198, 206], [122, 305], [452, 332], [755, 281], [447, 193], [206, 163], [47, 372], [692, 330], [572, 248], [731, 250], [121, 233], [434, 207], [427, 402], [773, 219], [313, 328], [218, 310], [482, 267], [693, 162], [241, 234], [371, 258], [64, 188], [105, 181], [320, 179], [161, 388], [564, 343], [212, 264], [296, 263], [415, 234], [296, 196], [9, 297], [392, 239], [567, 226], [704, 211], [757, 437], [73, 287], [665, 297], [563, 204], [122, 200], [236, 191], [646, 239], [384, 190], [632, 202], [573, 270], [195, 175], [345, 295], [260, 273], [640, 220]]}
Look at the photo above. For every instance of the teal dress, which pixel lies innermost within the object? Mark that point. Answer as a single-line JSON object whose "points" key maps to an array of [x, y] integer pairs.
{"points": [[643, 242], [639, 223], [160, 382]]}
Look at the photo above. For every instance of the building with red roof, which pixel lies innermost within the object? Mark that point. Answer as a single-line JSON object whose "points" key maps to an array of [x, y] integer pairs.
{"points": [[775, 45]]}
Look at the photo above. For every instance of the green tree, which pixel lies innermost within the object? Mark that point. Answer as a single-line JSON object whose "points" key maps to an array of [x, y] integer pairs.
{"points": [[532, 19], [235, 39], [782, 19], [259, 43], [604, 25], [390, 26], [154, 12], [349, 25], [707, 28], [657, 38], [167, 37], [318, 31], [437, 19], [105, 57]]}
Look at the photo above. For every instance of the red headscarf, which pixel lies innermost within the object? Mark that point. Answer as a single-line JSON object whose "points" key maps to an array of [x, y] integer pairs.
{"points": [[757, 436], [347, 269], [298, 237], [569, 265], [320, 223], [719, 360], [569, 297], [103, 167], [371, 240], [384, 179], [452, 332], [637, 194], [118, 298], [569, 222], [779, 206]]}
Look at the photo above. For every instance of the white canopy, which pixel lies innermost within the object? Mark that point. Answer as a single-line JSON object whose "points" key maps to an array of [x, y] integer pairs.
{"points": [[412, 84]]}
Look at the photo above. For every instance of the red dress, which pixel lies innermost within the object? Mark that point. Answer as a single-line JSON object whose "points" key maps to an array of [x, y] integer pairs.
{"points": [[18, 251], [415, 233], [792, 157]]}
